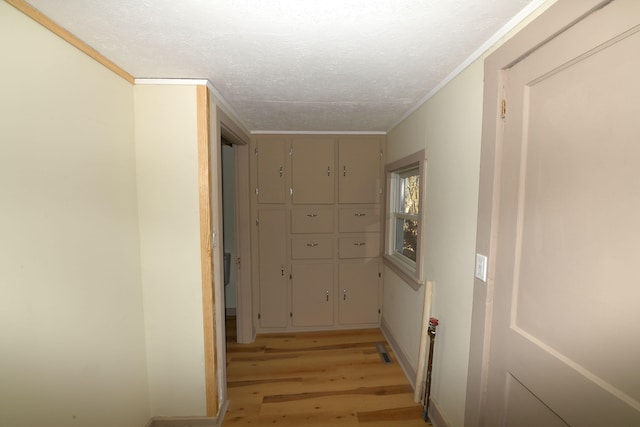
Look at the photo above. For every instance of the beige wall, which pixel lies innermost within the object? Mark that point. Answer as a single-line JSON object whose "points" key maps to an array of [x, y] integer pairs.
{"points": [[168, 205], [448, 126], [72, 344]]}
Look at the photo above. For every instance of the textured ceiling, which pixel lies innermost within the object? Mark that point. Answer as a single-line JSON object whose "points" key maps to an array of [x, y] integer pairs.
{"points": [[293, 65]]}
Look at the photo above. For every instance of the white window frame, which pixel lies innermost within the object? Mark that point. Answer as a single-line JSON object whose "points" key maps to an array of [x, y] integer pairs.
{"points": [[403, 266]]}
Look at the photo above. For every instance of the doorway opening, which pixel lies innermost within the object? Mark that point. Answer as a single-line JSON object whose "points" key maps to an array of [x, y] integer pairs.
{"points": [[227, 155], [234, 200]]}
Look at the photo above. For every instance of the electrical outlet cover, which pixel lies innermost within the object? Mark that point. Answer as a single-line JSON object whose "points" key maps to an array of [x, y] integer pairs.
{"points": [[481, 267]]}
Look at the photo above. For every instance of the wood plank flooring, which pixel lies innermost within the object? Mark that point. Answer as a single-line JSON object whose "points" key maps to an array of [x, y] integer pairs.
{"points": [[316, 379]]}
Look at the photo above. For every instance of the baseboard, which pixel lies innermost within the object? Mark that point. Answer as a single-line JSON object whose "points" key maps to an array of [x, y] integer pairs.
{"points": [[403, 361], [190, 421], [435, 415]]}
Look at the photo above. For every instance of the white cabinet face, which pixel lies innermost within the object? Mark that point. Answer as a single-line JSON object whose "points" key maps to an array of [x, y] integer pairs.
{"points": [[272, 248], [359, 286], [271, 171], [313, 170], [312, 294], [359, 174]]}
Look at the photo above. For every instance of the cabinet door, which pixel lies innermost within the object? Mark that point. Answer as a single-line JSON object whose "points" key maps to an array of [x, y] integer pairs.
{"points": [[359, 293], [273, 260], [312, 294], [313, 170], [272, 182], [359, 173]]}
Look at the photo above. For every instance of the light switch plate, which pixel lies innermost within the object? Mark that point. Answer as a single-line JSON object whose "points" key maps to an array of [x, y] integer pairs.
{"points": [[481, 267]]}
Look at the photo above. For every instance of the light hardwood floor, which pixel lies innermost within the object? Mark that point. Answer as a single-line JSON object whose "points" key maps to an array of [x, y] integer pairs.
{"points": [[316, 379]]}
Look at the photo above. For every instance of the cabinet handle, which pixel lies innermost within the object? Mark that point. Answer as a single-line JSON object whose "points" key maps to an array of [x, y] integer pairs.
{"points": [[359, 244], [344, 294], [282, 270], [328, 170], [312, 215], [327, 296], [344, 170], [312, 245], [281, 171], [359, 214]]}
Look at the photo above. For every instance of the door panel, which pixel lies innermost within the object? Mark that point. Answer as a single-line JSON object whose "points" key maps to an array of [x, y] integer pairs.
{"points": [[313, 170], [273, 260], [272, 183], [524, 409], [312, 294], [566, 319], [359, 174], [359, 293]]}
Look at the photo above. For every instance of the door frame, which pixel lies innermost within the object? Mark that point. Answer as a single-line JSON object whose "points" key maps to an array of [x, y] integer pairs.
{"points": [[212, 122], [240, 144], [557, 18]]}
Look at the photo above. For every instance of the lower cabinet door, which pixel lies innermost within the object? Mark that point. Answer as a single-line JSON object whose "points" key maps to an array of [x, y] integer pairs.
{"points": [[359, 293], [312, 294], [272, 268]]}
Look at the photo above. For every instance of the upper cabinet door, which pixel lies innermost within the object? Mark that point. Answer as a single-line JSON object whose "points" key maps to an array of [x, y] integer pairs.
{"points": [[313, 170], [359, 170], [271, 163]]}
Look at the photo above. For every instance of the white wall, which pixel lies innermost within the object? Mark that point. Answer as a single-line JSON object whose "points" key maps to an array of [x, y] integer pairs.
{"points": [[71, 322], [449, 127], [168, 205]]}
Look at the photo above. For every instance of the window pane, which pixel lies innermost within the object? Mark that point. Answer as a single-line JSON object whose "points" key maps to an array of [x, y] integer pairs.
{"points": [[410, 193], [407, 237]]}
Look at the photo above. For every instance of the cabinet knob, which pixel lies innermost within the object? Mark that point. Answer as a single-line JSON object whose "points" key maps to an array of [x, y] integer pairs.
{"points": [[327, 296], [344, 170], [312, 215], [344, 294], [328, 170], [359, 244], [312, 245], [281, 171], [359, 214]]}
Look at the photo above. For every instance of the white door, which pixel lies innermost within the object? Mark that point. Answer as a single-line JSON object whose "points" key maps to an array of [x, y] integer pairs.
{"points": [[565, 336]]}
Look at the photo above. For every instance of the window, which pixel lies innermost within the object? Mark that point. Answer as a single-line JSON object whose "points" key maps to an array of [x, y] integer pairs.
{"points": [[404, 217]]}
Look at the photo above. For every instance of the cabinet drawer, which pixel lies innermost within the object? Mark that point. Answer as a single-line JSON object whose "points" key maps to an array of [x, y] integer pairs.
{"points": [[360, 247], [312, 220], [309, 248], [355, 220]]}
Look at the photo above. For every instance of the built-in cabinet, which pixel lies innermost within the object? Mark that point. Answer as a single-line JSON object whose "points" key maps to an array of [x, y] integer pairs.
{"points": [[317, 234]]}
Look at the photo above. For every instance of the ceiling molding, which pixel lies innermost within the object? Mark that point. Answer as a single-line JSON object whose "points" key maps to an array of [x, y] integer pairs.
{"points": [[185, 82], [70, 38], [486, 46]]}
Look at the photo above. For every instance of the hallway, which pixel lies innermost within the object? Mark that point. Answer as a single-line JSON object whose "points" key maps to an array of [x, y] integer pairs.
{"points": [[316, 379]]}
